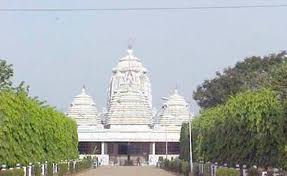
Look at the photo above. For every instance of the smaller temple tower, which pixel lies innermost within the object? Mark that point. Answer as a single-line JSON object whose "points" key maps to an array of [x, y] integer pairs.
{"points": [[175, 112], [83, 110]]}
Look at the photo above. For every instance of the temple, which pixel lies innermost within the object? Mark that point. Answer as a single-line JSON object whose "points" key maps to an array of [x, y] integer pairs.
{"points": [[128, 131]]}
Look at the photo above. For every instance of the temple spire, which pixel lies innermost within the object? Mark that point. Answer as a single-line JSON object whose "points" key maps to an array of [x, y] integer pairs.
{"points": [[84, 89]]}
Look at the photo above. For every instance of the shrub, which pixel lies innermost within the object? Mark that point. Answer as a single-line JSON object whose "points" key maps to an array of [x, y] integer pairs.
{"points": [[195, 169], [62, 169], [14, 172], [172, 166], [207, 169], [165, 163], [33, 131], [50, 169], [86, 163], [252, 172], [71, 167], [227, 172], [185, 168], [37, 169]]}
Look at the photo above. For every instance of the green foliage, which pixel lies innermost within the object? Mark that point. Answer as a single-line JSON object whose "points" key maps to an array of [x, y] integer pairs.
{"points": [[31, 132], [62, 169], [195, 169], [227, 172], [71, 167], [248, 129], [37, 169], [252, 172], [185, 168], [207, 169], [50, 169], [184, 142], [14, 172], [251, 74], [86, 163], [6, 72]]}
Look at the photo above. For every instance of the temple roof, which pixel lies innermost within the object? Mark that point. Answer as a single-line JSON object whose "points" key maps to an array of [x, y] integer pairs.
{"points": [[129, 99], [129, 62], [175, 111], [83, 109]]}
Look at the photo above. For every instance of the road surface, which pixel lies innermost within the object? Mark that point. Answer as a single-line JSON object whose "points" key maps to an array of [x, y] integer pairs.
{"points": [[125, 171]]}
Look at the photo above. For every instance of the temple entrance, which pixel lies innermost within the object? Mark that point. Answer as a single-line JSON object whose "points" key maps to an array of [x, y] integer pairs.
{"points": [[129, 153]]}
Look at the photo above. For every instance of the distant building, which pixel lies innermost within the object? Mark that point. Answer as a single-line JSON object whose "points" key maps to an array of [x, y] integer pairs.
{"points": [[128, 130]]}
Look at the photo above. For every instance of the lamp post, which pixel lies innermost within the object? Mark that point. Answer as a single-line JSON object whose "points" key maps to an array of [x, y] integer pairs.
{"points": [[190, 144], [163, 109]]}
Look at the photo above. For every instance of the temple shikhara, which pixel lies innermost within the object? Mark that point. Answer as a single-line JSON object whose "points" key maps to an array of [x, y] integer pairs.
{"points": [[129, 130]]}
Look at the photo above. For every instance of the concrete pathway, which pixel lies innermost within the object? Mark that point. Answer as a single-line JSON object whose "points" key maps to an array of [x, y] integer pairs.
{"points": [[125, 171]]}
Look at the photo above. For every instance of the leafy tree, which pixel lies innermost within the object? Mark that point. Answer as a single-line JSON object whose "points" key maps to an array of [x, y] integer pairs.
{"points": [[30, 132], [250, 74], [6, 73], [248, 129], [184, 142]]}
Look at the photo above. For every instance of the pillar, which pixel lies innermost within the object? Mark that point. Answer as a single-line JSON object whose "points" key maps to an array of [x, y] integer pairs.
{"points": [[102, 148], [153, 148]]}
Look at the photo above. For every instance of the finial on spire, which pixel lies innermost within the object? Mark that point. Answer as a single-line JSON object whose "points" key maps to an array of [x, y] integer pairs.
{"points": [[176, 89], [84, 89], [130, 46]]}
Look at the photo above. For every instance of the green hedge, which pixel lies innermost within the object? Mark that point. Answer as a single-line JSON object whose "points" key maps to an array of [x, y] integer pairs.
{"points": [[14, 172], [248, 129], [62, 169], [86, 163], [227, 172], [33, 132], [37, 169], [184, 168]]}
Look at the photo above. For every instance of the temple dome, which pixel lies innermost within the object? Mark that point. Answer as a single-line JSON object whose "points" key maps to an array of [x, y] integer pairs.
{"points": [[129, 62], [175, 111], [83, 110], [129, 93]]}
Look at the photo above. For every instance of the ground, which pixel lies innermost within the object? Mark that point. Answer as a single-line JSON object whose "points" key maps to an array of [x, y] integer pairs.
{"points": [[126, 171]]}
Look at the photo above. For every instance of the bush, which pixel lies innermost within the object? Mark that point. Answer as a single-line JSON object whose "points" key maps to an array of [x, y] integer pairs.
{"points": [[195, 169], [252, 172], [165, 163], [227, 172], [71, 167], [86, 163], [207, 169], [50, 169], [37, 169], [185, 168], [14, 172], [62, 169], [32, 131]]}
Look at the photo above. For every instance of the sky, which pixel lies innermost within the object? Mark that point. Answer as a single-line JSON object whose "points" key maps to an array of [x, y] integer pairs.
{"points": [[58, 52]]}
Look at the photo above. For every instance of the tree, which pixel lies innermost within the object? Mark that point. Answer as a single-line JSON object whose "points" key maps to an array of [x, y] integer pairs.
{"points": [[251, 74], [6, 73], [247, 129]]}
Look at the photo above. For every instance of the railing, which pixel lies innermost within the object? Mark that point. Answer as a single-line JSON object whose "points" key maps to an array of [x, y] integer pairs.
{"points": [[49, 169]]}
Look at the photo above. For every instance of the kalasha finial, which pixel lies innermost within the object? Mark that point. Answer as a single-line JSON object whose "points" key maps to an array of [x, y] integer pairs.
{"points": [[84, 89], [130, 46]]}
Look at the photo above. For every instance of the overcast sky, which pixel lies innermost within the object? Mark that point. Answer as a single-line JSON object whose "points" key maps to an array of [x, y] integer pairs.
{"points": [[57, 52]]}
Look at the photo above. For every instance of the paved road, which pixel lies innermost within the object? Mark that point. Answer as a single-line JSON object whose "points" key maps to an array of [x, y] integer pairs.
{"points": [[126, 171]]}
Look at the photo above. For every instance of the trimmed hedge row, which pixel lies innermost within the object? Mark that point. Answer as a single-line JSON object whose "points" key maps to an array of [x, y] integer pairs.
{"points": [[13, 172], [176, 165], [62, 168], [250, 124], [33, 132], [227, 172]]}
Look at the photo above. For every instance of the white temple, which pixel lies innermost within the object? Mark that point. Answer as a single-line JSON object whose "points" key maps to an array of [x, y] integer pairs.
{"points": [[128, 131]]}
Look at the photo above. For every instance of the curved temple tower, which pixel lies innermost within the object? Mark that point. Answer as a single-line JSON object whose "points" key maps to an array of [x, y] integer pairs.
{"points": [[127, 131]]}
